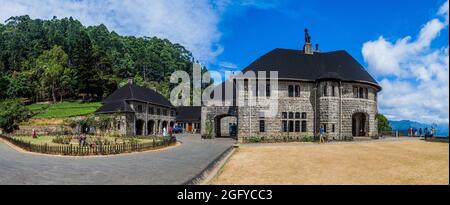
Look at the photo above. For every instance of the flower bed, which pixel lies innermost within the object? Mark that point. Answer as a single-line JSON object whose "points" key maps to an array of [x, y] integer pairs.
{"points": [[72, 149]]}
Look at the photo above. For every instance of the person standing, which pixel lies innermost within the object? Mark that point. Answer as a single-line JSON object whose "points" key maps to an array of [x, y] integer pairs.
{"points": [[170, 131], [321, 137], [420, 132], [426, 133], [164, 132], [34, 133]]}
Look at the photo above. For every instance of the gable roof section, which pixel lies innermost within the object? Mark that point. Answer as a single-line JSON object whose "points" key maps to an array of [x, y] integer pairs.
{"points": [[116, 102], [132, 92], [295, 64], [115, 106]]}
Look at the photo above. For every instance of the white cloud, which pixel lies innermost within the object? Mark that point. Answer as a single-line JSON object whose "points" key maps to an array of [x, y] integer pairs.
{"points": [[414, 76], [192, 23], [228, 65]]}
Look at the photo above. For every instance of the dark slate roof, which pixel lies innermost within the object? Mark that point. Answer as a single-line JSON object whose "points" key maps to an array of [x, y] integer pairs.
{"points": [[134, 92], [189, 114], [115, 106], [295, 64], [117, 101]]}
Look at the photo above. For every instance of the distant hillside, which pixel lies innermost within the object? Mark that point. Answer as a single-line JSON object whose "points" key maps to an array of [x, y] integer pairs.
{"points": [[61, 59], [441, 129]]}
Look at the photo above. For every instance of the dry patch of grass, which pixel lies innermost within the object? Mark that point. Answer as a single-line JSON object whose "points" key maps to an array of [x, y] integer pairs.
{"points": [[388, 162], [45, 121]]}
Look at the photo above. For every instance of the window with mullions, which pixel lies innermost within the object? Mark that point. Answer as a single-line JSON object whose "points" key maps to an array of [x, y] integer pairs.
{"points": [[284, 115], [297, 115], [262, 126], [304, 115], [158, 111], [291, 126], [267, 90], [291, 91], [284, 126], [297, 126], [304, 126], [297, 91], [151, 110], [291, 115]]}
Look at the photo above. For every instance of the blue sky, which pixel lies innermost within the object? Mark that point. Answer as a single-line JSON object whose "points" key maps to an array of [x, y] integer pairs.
{"points": [[403, 44], [335, 25]]}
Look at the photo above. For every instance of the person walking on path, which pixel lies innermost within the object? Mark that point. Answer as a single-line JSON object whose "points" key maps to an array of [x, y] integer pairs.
{"points": [[321, 131], [34, 133]]}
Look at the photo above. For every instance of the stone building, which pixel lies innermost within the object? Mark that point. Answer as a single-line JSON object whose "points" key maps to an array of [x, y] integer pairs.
{"points": [[138, 110], [314, 89], [189, 118]]}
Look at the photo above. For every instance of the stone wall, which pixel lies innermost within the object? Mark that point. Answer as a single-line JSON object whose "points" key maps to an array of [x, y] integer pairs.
{"points": [[333, 109]]}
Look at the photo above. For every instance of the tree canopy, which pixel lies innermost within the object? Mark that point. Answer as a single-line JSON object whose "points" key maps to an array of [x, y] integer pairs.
{"points": [[383, 123], [12, 112], [61, 58]]}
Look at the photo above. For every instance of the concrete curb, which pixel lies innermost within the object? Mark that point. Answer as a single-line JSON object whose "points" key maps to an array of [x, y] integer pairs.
{"points": [[207, 174]]}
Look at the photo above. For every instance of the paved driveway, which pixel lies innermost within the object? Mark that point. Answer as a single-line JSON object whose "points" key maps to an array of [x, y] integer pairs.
{"points": [[172, 166]]}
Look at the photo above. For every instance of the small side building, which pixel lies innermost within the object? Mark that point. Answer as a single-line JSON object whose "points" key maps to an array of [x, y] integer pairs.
{"points": [[138, 110], [189, 118]]}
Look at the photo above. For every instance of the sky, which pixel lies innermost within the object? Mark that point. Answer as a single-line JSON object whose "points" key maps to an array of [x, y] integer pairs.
{"points": [[403, 44]]}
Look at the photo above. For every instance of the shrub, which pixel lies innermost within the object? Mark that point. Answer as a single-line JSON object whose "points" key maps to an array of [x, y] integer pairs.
{"points": [[254, 139], [62, 140], [12, 112], [307, 139]]}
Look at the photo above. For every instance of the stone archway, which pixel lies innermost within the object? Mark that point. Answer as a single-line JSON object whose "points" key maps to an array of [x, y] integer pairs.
{"points": [[360, 124], [151, 127], [226, 126], [139, 128], [164, 124]]}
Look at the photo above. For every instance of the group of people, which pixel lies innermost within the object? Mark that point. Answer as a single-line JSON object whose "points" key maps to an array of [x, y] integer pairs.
{"points": [[168, 132], [426, 133]]}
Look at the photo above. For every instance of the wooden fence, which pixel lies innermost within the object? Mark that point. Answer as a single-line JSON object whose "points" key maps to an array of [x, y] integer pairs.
{"points": [[75, 150]]}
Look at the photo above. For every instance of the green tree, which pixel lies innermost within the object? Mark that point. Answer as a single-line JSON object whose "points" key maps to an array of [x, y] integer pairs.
{"points": [[55, 75], [383, 123], [19, 85], [12, 112], [98, 58]]}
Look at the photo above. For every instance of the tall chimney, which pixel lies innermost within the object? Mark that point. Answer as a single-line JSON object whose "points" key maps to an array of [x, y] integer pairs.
{"points": [[317, 47]]}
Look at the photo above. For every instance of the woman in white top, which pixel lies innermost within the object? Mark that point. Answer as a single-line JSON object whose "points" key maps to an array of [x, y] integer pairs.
{"points": [[164, 132]]}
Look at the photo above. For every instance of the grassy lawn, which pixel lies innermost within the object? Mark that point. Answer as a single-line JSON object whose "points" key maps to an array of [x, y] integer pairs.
{"points": [[373, 163], [48, 139], [63, 110]]}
